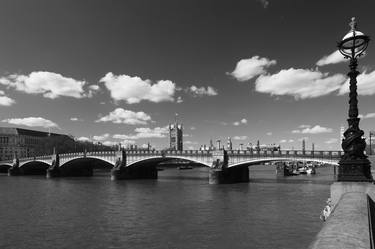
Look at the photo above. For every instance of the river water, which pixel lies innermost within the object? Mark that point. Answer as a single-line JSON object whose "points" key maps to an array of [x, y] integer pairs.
{"points": [[179, 210]]}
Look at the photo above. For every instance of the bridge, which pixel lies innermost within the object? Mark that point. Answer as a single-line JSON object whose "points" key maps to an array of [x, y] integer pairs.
{"points": [[225, 166]]}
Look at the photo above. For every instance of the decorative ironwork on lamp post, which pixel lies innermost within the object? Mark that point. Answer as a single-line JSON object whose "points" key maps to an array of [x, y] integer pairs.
{"points": [[354, 165]]}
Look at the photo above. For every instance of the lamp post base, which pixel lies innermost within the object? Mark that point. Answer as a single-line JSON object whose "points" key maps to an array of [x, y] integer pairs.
{"points": [[355, 170]]}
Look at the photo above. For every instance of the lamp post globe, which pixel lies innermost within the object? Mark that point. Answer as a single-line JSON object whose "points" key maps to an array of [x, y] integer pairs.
{"points": [[354, 165]]}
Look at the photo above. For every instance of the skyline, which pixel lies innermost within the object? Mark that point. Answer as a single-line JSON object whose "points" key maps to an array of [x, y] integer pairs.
{"points": [[119, 71]]}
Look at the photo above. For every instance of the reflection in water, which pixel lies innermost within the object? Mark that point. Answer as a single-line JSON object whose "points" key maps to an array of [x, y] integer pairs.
{"points": [[179, 210]]}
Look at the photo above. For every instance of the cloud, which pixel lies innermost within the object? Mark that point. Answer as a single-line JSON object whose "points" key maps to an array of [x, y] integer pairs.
{"points": [[365, 84], [75, 119], [83, 139], [317, 129], [190, 142], [157, 132], [331, 141], [121, 116], [5, 101], [239, 137], [32, 122], [133, 89], [286, 141], [247, 69], [193, 128], [368, 115], [101, 137], [94, 87], [299, 83], [242, 121], [50, 85], [334, 58], [201, 91], [269, 133]]}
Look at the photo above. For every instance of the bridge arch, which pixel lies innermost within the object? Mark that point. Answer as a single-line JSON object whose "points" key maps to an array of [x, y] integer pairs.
{"points": [[152, 160], [35, 167], [83, 166], [4, 167], [278, 159], [99, 158]]}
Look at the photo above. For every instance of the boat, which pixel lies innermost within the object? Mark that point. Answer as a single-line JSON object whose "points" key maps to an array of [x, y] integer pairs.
{"points": [[311, 171], [302, 170]]}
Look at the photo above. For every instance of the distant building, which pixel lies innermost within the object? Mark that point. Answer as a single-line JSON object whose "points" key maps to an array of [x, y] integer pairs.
{"points": [[175, 136], [17, 142], [229, 144], [303, 145]]}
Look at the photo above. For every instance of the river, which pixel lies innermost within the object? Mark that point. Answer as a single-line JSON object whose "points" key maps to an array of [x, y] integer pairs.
{"points": [[179, 210]]}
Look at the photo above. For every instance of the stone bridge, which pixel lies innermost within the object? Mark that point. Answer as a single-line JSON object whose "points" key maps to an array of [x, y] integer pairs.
{"points": [[225, 166]]}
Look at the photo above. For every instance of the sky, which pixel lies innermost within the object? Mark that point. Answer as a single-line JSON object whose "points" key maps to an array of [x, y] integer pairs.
{"points": [[114, 71]]}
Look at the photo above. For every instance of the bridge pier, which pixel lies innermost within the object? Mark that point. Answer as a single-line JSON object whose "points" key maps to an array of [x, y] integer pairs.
{"points": [[228, 175], [54, 169], [220, 173], [121, 172], [15, 170]]}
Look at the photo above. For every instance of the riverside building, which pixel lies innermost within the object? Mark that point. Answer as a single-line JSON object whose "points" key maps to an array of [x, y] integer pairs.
{"points": [[17, 142]]}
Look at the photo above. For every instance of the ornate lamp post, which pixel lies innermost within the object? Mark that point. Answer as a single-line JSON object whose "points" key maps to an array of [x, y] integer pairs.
{"points": [[354, 165]]}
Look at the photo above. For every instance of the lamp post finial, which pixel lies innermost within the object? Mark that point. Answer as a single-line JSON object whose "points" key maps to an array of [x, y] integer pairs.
{"points": [[353, 24]]}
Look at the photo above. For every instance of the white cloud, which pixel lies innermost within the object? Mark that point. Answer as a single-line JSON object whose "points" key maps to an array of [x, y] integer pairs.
{"points": [[50, 85], [242, 121], [291, 141], [126, 142], [283, 141], [32, 122], [101, 137], [190, 142], [331, 141], [368, 115], [269, 133], [94, 87], [239, 137], [365, 84], [121, 116], [334, 58], [133, 89], [83, 139], [6, 101], [201, 91], [179, 100], [317, 129], [247, 69], [157, 132], [193, 128], [109, 143], [304, 126], [75, 119], [299, 83]]}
